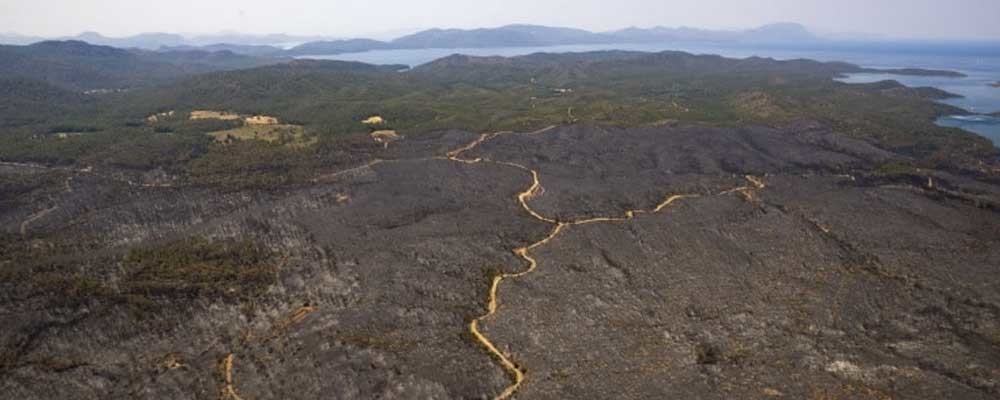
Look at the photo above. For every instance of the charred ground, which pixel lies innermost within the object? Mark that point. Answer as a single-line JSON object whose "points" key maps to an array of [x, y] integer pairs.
{"points": [[775, 239], [822, 280]]}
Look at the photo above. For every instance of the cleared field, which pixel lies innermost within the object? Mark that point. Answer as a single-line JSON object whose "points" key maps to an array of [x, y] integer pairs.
{"points": [[267, 133], [158, 116], [65, 135], [385, 137], [260, 120], [374, 120], [207, 114]]}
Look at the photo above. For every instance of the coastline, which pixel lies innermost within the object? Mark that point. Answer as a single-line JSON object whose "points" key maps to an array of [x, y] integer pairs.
{"points": [[974, 105]]}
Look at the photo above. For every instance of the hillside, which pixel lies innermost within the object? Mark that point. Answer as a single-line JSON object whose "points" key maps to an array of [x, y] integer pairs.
{"points": [[683, 258], [79, 66], [31, 102], [585, 225], [330, 98]]}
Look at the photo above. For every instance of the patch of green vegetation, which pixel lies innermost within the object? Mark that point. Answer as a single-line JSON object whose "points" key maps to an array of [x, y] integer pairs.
{"points": [[897, 168], [195, 126], [129, 148], [196, 268], [31, 268], [149, 276], [69, 287], [250, 164], [281, 134]]}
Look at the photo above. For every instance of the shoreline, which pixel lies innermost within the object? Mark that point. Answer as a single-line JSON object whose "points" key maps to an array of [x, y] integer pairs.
{"points": [[971, 118]]}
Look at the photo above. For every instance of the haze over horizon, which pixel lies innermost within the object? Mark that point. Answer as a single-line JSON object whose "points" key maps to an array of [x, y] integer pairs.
{"points": [[962, 19]]}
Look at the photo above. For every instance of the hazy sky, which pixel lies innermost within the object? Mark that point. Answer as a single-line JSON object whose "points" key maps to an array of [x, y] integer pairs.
{"points": [[906, 18]]}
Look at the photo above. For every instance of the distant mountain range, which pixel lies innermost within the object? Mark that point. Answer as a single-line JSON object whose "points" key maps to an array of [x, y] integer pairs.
{"points": [[781, 35], [504, 36], [534, 35], [154, 41]]}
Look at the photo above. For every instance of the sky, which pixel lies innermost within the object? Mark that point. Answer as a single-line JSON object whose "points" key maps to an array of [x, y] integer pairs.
{"points": [[938, 19]]}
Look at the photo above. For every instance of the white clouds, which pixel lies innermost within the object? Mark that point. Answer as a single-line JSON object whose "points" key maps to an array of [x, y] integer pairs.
{"points": [[923, 18]]}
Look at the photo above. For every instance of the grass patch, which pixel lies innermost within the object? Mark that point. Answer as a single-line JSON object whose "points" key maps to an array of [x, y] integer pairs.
{"points": [[197, 268], [896, 168], [284, 134], [148, 277], [221, 115]]}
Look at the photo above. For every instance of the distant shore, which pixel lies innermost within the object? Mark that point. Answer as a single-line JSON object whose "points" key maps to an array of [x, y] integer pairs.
{"points": [[917, 72]]}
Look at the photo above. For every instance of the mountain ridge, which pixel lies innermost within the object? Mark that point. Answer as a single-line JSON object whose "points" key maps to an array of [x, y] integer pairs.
{"points": [[501, 36], [523, 35], [781, 35], [80, 66]]}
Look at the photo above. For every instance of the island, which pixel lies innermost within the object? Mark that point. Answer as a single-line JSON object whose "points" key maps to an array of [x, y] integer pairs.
{"points": [[916, 72]]}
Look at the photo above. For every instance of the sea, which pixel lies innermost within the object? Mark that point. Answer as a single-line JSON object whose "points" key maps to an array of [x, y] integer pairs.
{"points": [[978, 97]]}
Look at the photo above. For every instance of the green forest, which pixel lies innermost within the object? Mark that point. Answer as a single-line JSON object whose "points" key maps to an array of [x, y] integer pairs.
{"points": [[42, 122]]}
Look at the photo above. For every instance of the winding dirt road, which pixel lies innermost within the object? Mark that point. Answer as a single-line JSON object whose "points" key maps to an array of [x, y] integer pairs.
{"points": [[492, 303], [516, 373]]}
